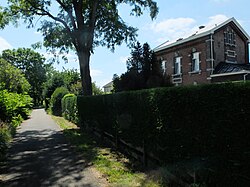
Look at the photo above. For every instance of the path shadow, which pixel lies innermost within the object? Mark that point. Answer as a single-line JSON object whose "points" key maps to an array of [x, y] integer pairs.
{"points": [[43, 158]]}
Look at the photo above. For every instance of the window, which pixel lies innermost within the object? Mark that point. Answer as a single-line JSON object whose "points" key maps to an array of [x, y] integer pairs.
{"points": [[231, 53], [229, 38], [196, 62], [177, 65], [163, 65]]}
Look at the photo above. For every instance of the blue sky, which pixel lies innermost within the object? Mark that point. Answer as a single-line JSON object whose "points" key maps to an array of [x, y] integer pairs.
{"points": [[176, 19]]}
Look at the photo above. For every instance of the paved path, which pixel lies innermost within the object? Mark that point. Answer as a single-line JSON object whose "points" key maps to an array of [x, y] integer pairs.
{"points": [[40, 156]]}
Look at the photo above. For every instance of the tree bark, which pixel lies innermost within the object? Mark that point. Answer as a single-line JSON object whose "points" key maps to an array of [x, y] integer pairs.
{"points": [[84, 58]]}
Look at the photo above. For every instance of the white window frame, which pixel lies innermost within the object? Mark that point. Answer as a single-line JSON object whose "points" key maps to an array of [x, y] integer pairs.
{"points": [[230, 38], [195, 62], [177, 63], [163, 65], [231, 51]]}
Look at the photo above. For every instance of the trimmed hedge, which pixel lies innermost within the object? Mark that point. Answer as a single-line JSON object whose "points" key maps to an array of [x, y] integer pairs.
{"points": [[211, 122], [56, 100], [69, 108]]}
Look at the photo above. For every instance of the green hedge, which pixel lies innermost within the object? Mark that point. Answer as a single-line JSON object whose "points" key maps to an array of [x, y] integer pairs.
{"points": [[56, 100], [69, 108], [208, 121]]}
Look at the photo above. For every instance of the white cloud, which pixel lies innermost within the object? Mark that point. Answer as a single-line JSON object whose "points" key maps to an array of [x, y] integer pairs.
{"points": [[38, 33], [220, 1], [217, 19], [95, 72], [174, 28], [173, 24], [4, 44], [124, 59]]}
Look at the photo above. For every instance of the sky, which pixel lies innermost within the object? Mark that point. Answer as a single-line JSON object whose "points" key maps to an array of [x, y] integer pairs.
{"points": [[176, 19]]}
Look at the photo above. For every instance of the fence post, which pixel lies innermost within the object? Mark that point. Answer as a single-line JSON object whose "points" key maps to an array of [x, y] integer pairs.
{"points": [[144, 149]]}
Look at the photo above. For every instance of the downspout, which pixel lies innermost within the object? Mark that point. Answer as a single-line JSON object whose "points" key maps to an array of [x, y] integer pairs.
{"points": [[212, 53], [244, 76]]}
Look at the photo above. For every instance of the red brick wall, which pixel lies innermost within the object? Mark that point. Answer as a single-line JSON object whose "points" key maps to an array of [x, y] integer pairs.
{"points": [[185, 51], [202, 45]]}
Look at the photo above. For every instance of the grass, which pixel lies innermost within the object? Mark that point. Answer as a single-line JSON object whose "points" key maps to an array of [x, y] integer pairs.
{"points": [[111, 164]]}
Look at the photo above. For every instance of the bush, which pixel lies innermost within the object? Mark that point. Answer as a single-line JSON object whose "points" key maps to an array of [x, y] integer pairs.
{"points": [[13, 109], [5, 137], [56, 100], [69, 108], [14, 106], [180, 123]]}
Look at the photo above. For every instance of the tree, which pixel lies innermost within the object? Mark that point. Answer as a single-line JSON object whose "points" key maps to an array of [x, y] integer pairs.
{"points": [[78, 25], [33, 66], [12, 79], [96, 89], [143, 71]]}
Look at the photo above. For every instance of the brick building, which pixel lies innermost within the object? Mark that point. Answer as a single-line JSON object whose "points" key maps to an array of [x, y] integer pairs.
{"points": [[216, 53]]}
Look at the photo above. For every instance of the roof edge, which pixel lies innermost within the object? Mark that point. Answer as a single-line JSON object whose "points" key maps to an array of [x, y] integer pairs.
{"points": [[211, 31]]}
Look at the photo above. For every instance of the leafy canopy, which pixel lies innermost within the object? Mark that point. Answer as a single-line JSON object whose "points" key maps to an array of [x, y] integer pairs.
{"points": [[32, 64], [80, 25], [76, 20], [12, 79]]}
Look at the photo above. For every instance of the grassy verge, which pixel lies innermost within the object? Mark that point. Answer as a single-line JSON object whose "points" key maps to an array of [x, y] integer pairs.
{"points": [[114, 166]]}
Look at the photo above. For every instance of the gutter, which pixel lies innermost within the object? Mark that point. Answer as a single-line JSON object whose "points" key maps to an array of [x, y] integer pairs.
{"points": [[232, 73], [244, 76], [212, 53]]}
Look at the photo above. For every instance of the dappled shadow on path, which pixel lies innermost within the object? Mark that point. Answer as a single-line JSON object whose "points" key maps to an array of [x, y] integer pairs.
{"points": [[43, 158]]}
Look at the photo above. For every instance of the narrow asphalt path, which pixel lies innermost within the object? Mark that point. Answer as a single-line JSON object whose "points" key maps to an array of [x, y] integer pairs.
{"points": [[40, 156]]}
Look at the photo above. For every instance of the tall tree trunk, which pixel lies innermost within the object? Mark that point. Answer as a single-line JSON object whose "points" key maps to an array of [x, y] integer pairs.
{"points": [[84, 58]]}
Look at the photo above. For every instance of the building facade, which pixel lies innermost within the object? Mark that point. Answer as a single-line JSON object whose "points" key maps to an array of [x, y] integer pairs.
{"points": [[198, 59]]}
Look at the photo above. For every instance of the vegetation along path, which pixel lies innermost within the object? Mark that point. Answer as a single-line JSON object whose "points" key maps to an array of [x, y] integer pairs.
{"points": [[40, 156]]}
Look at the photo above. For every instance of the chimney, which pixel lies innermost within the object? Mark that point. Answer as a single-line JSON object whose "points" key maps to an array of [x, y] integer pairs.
{"points": [[201, 27]]}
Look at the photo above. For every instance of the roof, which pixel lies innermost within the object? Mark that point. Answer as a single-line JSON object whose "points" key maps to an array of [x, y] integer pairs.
{"points": [[110, 84], [224, 67], [203, 31]]}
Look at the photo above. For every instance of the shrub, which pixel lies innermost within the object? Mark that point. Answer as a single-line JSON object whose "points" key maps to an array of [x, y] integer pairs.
{"points": [[69, 108], [180, 123], [5, 137], [13, 109], [56, 99], [13, 106]]}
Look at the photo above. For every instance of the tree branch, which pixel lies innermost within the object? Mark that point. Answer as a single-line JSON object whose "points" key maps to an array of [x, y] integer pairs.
{"points": [[78, 6], [69, 11]]}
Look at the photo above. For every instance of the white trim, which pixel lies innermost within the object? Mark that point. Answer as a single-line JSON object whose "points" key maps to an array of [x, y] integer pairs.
{"points": [[230, 51], [195, 72], [228, 74]]}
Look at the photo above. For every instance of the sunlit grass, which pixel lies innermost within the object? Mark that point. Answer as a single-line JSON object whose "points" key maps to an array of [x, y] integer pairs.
{"points": [[110, 164]]}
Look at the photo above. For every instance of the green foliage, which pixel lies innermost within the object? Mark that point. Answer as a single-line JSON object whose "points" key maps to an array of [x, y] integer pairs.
{"points": [[96, 89], [5, 137], [78, 25], [32, 66], [143, 71], [68, 78], [69, 108], [210, 122], [14, 106], [12, 78], [56, 80], [56, 100]]}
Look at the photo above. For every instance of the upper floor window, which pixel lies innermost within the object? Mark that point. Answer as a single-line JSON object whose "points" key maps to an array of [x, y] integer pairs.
{"points": [[229, 37], [196, 62], [164, 66], [177, 65]]}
